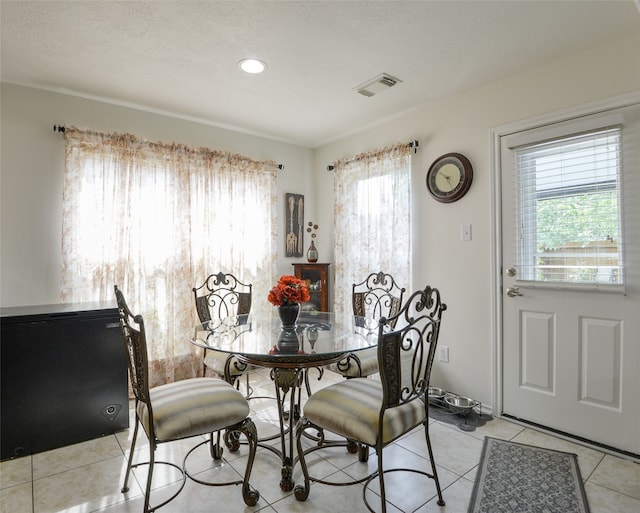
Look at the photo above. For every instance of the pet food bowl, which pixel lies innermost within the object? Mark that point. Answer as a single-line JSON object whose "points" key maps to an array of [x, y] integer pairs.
{"points": [[435, 393], [460, 405]]}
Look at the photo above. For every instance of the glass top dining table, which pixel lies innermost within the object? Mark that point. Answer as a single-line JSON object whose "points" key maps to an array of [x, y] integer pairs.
{"points": [[316, 340]]}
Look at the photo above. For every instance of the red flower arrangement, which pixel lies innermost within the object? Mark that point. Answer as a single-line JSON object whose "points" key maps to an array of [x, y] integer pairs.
{"points": [[289, 290]]}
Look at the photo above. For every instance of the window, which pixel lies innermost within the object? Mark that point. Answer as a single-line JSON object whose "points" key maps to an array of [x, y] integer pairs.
{"points": [[156, 219], [569, 194], [372, 220]]}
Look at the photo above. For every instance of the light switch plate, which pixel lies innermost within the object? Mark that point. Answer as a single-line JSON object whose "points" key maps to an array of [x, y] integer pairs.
{"points": [[465, 232]]}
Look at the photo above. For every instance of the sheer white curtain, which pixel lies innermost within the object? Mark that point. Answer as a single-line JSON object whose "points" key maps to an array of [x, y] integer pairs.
{"points": [[156, 219], [372, 220]]}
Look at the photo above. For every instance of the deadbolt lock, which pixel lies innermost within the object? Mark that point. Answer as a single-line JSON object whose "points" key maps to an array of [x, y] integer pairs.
{"points": [[513, 292]]}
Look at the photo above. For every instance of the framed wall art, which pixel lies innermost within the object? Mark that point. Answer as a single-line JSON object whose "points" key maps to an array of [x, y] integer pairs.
{"points": [[294, 227]]}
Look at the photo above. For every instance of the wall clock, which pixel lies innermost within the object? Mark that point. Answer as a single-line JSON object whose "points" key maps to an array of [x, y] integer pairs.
{"points": [[449, 177]]}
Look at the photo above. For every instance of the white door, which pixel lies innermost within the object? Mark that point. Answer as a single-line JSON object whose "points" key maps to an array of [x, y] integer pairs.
{"points": [[571, 276]]}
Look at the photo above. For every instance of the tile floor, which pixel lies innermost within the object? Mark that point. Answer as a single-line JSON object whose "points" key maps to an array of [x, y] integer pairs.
{"points": [[87, 477]]}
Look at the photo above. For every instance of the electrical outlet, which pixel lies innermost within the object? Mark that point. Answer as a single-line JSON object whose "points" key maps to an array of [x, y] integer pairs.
{"points": [[443, 354]]}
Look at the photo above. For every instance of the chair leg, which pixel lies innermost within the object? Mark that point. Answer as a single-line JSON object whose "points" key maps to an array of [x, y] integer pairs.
{"points": [[433, 464], [147, 493], [363, 452], [215, 448], [249, 389], [125, 486], [383, 496]]}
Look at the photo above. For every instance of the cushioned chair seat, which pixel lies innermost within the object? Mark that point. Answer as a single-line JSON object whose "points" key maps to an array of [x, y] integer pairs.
{"points": [[351, 409], [350, 369], [213, 405], [217, 360]]}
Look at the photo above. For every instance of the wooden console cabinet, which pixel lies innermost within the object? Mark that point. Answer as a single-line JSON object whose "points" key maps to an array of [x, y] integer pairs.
{"points": [[317, 278]]}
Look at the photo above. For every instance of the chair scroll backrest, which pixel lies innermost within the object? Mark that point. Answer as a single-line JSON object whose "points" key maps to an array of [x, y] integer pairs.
{"points": [[377, 296], [221, 296], [136, 348], [406, 353]]}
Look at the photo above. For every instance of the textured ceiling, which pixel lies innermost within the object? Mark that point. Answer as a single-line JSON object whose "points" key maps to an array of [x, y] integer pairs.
{"points": [[180, 58]]}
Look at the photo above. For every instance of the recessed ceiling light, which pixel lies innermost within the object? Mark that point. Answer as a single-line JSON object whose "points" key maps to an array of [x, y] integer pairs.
{"points": [[252, 66]]}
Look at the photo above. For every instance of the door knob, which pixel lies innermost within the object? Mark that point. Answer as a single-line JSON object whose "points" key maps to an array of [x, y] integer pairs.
{"points": [[513, 292], [511, 271]]}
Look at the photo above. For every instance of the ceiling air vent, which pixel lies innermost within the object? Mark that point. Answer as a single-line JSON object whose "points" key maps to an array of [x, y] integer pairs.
{"points": [[377, 85]]}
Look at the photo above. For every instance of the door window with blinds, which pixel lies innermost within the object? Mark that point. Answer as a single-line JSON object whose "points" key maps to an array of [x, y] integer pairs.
{"points": [[569, 209]]}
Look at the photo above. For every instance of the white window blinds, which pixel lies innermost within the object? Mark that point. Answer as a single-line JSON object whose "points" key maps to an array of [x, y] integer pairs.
{"points": [[569, 209]]}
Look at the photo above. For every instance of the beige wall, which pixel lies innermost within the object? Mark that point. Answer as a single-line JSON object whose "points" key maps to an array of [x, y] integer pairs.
{"points": [[462, 270], [32, 160], [32, 163]]}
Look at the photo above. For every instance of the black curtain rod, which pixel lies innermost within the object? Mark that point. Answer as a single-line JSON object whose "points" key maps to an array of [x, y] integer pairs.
{"points": [[61, 129], [413, 144]]}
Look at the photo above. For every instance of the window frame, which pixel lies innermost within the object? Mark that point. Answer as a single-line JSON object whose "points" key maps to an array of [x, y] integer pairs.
{"points": [[528, 250]]}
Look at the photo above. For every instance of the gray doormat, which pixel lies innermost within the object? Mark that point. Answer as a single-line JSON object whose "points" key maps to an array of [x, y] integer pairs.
{"points": [[469, 422], [520, 478]]}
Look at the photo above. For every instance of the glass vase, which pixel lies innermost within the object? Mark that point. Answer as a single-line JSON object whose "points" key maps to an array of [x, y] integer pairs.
{"points": [[312, 253]]}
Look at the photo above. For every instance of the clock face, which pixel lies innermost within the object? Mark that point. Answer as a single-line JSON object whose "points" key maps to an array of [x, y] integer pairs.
{"points": [[449, 177]]}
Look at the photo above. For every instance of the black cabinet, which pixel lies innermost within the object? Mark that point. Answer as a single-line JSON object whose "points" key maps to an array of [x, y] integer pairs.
{"points": [[64, 376]]}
